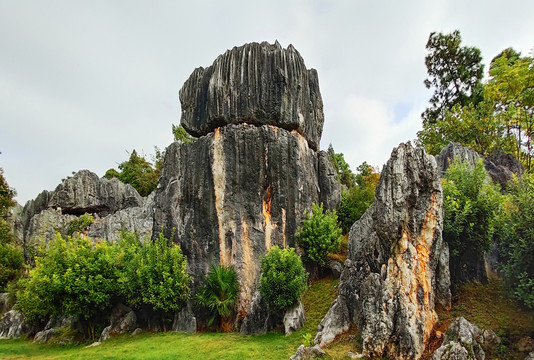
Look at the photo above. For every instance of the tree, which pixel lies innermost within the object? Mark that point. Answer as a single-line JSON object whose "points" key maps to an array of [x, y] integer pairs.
{"points": [[138, 172], [515, 240], [454, 72], [318, 235], [471, 208], [218, 293], [344, 175], [356, 200], [283, 279], [181, 135]]}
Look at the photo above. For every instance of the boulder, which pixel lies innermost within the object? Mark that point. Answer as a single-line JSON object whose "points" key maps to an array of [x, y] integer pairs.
{"points": [[260, 84], [85, 192], [45, 335], [397, 265], [465, 341], [502, 167], [232, 194], [12, 325], [304, 352], [294, 319], [336, 268], [530, 356], [258, 319], [123, 320], [454, 151], [185, 321]]}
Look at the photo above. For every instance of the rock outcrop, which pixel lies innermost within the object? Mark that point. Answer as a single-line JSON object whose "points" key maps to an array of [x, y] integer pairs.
{"points": [[465, 341], [113, 204], [259, 84], [304, 352], [245, 185], [13, 325], [294, 319], [185, 321], [123, 320], [397, 266]]}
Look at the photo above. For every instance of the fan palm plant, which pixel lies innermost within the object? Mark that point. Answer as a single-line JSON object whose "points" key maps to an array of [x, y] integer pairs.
{"points": [[218, 293]]}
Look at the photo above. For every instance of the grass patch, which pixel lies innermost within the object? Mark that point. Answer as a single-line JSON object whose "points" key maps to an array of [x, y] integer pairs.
{"points": [[205, 346], [490, 307]]}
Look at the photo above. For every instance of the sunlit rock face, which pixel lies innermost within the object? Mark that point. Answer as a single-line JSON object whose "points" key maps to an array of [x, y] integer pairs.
{"points": [[246, 183], [257, 84], [398, 263]]}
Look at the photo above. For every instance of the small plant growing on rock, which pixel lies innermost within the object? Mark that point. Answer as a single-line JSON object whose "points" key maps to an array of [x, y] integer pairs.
{"points": [[80, 224], [283, 279], [218, 293]]}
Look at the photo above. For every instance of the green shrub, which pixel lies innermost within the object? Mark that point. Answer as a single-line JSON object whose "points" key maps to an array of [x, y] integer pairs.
{"points": [[318, 235], [11, 264], [515, 239], [283, 279], [79, 224], [218, 293], [471, 206]]}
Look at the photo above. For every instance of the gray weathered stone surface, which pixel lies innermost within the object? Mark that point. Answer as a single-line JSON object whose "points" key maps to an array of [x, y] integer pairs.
{"points": [[455, 151], [45, 335], [258, 319], [138, 219], [123, 320], [185, 321], [465, 341], [259, 84], [304, 352], [530, 356], [85, 192], [294, 319], [12, 325], [394, 273], [233, 194]]}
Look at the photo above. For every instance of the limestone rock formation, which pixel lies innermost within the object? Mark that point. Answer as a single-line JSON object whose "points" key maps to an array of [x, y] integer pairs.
{"points": [[397, 266], [256, 84], [113, 204], [465, 341], [12, 325], [304, 352], [85, 192], [258, 319], [185, 321], [294, 319], [123, 320]]}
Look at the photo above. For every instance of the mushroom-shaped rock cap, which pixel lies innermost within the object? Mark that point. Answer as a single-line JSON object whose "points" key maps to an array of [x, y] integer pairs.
{"points": [[259, 84]]}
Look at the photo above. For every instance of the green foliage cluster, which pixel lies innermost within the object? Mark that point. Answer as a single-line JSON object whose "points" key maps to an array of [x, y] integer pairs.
{"points": [[138, 172], [79, 277], [471, 208], [515, 239], [318, 235], [356, 200], [181, 135], [344, 175], [283, 279], [11, 257], [496, 114], [79, 224], [218, 293]]}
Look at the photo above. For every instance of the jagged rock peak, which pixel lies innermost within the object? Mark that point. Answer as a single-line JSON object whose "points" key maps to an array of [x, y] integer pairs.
{"points": [[397, 266], [261, 84]]}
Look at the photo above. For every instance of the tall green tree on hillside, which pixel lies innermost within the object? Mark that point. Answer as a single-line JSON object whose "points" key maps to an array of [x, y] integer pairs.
{"points": [[343, 172], [454, 73]]}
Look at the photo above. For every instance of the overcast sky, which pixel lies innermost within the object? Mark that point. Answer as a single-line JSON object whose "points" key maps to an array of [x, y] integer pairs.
{"points": [[83, 82]]}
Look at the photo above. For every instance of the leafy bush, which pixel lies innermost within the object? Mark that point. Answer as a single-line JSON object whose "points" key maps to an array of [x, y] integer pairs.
{"points": [[79, 224], [471, 205], [218, 293], [11, 264], [318, 235], [515, 238], [283, 279], [138, 172], [356, 200], [78, 277], [181, 135]]}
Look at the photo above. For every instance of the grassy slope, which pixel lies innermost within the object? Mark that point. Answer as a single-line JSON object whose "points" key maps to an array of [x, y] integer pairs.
{"points": [[199, 346]]}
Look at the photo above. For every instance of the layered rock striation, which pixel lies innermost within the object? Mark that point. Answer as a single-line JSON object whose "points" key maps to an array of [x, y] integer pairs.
{"points": [[260, 84], [397, 266], [245, 185]]}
